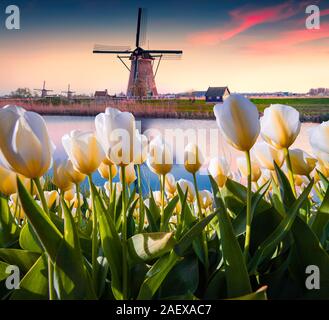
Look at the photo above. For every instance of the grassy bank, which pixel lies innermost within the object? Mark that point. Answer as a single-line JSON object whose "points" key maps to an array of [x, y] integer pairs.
{"points": [[311, 109]]}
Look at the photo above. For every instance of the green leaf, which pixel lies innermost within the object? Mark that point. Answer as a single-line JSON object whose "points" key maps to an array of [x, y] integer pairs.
{"points": [[323, 179], [71, 279], [28, 239], [187, 239], [34, 285], [148, 246], [269, 245], [110, 243], [258, 295], [183, 278], [237, 278], [321, 219], [156, 275], [168, 211], [23, 259], [153, 226], [9, 231], [3, 273], [287, 195], [49, 236], [308, 251]]}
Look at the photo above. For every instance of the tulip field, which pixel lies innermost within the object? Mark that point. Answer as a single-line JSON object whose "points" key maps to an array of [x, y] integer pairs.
{"points": [[262, 236]]}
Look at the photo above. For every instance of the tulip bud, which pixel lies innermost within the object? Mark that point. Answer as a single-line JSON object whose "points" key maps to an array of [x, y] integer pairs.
{"points": [[266, 155], [157, 198], [219, 169], [319, 137], [160, 159], [8, 184], [280, 125], [170, 185], [60, 176], [140, 148], [116, 132], [25, 142], [188, 186], [83, 150], [206, 199], [130, 173], [74, 175], [238, 120], [193, 158], [51, 198], [255, 170], [301, 162], [104, 170]]}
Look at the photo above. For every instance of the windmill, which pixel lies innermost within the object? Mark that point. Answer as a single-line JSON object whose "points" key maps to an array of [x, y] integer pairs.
{"points": [[44, 91], [69, 93], [142, 77]]}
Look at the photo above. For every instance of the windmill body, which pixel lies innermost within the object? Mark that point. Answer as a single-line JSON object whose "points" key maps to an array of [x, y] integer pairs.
{"points": [[44, 91], [141, 72]]}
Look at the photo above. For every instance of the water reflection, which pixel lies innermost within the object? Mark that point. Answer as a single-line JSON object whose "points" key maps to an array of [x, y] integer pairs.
{"points": [[214, 142]]}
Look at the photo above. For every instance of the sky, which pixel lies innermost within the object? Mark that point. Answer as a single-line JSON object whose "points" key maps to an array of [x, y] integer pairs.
{"points": [[250, 46]]}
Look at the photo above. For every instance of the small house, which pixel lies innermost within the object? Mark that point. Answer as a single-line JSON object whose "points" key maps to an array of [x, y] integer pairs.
{"points": [[217, 94], [101, 96]]}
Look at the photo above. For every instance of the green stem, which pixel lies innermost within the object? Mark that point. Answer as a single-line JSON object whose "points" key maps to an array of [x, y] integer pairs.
{"points": [[248, 216], [77, 186], [50, 264], [141, 203], [204, 234], [290, 172], [94, 235], [162, 186], [41, 195], [124, 236]]}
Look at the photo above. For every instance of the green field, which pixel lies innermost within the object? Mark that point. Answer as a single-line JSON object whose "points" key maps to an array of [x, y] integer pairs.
{"points": [[316, 109]]}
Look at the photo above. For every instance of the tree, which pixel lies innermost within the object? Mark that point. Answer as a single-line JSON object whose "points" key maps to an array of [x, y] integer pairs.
{"points": [[21, 93]]}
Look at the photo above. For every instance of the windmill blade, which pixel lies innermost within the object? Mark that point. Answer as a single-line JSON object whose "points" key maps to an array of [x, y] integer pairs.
{"points": [[143, 28], [100, 48], [164, 51], [168, 56], [139, 18]]}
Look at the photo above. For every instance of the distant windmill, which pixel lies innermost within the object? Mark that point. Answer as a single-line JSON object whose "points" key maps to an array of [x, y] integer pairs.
{"points": [[69, 93], [142, 78], [44, 91]]}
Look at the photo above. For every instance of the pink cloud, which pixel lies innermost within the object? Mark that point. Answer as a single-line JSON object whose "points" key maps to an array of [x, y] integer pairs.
{"points": [[290, 39], [244, 19]]}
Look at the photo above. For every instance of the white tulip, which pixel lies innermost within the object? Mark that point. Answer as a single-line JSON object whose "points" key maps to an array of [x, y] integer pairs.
{"points": [[83, 150], [74, 175], [160, 159], [140, 148], [255, 169], [219, 169], [130, 173], [116, 132], [302, 163], [25, 141], [51, 198], [104, 170], [60, 176], [319, 137], [238, 120], [266, 155], [193, 158], [280, 125], [157, 198], [188, 186], [206, 199], [8, 183], [170, 185]]}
